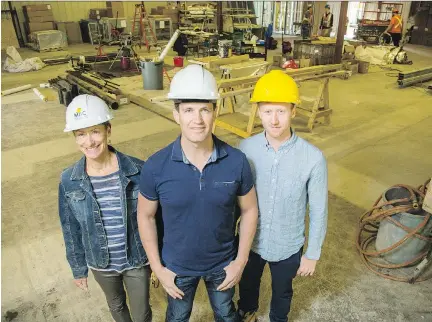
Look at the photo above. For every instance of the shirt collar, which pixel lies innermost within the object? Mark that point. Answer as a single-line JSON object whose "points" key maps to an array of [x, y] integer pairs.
{"points": [[126, 166], [219, 151], [287, 144]]}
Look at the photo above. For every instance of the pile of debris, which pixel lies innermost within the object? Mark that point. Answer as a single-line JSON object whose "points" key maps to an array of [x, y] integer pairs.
{"points": [[77, 82]]}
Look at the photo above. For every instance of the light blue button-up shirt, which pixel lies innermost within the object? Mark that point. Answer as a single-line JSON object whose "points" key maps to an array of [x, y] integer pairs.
{"points": [[286, 182]]}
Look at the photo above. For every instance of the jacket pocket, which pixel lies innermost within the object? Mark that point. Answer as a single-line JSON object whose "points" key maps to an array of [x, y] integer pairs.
{"points": [[78, 204], [75, 196]]}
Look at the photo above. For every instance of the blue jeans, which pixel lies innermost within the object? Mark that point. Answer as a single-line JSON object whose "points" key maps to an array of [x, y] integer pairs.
{"points": [[305, 31], [282, 275], [221, 302]]}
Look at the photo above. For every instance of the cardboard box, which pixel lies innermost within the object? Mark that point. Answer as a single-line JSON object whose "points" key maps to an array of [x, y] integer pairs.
{"points": [[37, 7], [304, 62], [113, 7], [174, 18], [167, 12], [277, 60], [157, 11], [113, 13], [39, 26], [31, 14], [171, 13], [72, 30], [47, 18]]}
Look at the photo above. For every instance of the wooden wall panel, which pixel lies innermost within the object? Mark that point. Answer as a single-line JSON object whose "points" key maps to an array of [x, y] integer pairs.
{"points": [[77, 10], [8, 36]]}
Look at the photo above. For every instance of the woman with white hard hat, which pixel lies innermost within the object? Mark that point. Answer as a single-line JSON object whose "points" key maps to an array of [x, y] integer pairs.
{"points": [[98, 209]]}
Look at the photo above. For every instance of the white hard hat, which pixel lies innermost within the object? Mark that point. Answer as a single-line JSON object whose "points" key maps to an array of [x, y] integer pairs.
{"points": [[85, 111], [194, 82]]}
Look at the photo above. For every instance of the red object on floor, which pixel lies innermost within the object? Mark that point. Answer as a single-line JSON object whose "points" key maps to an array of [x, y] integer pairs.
{"points": [[178, 61], [290, 64], [125, 63]]}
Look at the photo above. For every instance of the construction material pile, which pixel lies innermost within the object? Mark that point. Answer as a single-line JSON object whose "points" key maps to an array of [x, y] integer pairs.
{"points": [[414, 77]]}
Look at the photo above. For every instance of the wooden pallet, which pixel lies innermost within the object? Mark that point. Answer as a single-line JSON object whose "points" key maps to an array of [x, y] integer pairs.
{"points": [[32, 46]]}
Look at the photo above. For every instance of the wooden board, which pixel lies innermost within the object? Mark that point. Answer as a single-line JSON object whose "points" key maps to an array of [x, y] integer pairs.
{"points": [[237, 123], [213, 62], [244, 64]]}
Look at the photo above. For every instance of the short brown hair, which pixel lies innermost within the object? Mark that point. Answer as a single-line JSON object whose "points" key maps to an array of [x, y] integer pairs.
{"points": [[177, 103]]}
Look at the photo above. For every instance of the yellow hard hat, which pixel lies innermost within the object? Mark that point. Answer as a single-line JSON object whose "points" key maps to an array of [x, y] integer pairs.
{"points": [[276, 87]]}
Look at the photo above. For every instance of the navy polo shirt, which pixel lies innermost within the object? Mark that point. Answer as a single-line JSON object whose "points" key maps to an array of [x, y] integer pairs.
{"points": [[197, 208]]}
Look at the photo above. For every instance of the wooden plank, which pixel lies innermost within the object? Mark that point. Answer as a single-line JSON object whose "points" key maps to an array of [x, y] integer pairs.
{"points": [[237, 123], [252, 118], [236, 92], [302, 78], [159, 99], [314, 69], [244, 65], [227, 83], [148, 105]]}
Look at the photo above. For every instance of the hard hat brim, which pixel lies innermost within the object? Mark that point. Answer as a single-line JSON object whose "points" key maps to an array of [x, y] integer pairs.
{"points": [[86, 125]]}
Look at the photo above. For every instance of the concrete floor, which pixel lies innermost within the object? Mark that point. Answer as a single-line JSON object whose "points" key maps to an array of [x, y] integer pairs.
{"points": [[379, 136]]}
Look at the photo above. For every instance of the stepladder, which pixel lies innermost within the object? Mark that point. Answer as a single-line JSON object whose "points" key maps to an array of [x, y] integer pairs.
{"points": [[142, 30]]}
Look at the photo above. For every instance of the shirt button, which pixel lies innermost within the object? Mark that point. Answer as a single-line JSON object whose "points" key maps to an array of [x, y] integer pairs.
{"points": [[267, 226], [273, 180], [271, 197]]}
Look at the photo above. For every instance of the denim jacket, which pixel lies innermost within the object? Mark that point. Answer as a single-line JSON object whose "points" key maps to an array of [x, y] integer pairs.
{"points": [[80, 216]]}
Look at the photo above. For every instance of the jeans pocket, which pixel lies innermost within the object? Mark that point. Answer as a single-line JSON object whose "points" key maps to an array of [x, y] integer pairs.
{"points": [[217, 277]]}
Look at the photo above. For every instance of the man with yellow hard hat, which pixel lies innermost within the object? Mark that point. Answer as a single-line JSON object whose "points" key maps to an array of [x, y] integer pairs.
{"points": [[289, 174]]}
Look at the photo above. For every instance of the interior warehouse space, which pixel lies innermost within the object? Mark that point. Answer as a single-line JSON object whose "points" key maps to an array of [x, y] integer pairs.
{"points": [[216, 161]]}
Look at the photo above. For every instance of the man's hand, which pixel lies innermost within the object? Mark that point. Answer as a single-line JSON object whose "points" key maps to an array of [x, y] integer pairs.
{"points": [[234, 273], [307, 267], [81, 283], [167, 278]]}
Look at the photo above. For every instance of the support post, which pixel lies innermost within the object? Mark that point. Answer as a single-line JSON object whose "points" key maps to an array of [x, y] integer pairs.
{"points": [[341, 31], [219, 17]]}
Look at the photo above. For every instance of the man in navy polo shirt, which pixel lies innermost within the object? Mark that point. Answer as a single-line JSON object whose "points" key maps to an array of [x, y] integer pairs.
{"points": [[198, 180]]}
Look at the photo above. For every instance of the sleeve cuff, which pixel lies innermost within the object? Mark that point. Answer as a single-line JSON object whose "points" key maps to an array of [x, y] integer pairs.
{"points": [[246, 191], [313, 255], [80, 272], [148, 197]]}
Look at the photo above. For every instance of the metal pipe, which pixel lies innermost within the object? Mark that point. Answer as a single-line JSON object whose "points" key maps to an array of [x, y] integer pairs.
{"points": [[414, 80], [40, 95], [95, 91], [15, 90], [413, 73], [169, 45]]}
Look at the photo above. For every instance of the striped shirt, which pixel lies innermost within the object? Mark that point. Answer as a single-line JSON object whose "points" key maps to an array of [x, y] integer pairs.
{"points": [[287, 181], [107, 192]]}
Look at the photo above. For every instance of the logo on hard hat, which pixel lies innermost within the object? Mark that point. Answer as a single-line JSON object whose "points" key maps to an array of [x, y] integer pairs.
{"points": [[79, 113]]}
